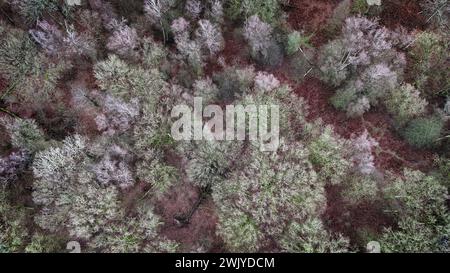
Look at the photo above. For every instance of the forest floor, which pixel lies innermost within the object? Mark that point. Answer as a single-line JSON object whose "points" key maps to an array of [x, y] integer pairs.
{"points": [[310, 16]]}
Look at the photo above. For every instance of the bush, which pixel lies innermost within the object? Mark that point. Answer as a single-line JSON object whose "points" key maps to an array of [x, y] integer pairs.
{"points": [[430, 56], [210, 37], [443, 165], [284, 188], [124, 40], [411, 237], [152, 169], [312, 237], [419, 202], [133, 235], [12, 166], [259, 36], [343, 98], [424, 132], [68, 192], [239, 231], [365, 61], [48, 243], [113, 168], [360, 6], [13, 231], [437, 11], [417, 195], [33, 10], [296, 41], [18, 55], [362, 148], [118, 116], [267, 10], [25, 134], [328, 152], [332, 63], [153, 54], [405, 104], [127, 81], [233, 82], [359, 188], [211, 162]]}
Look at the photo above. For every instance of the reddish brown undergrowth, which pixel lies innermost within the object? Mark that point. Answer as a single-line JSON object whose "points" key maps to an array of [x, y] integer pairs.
{"points": [[200, 232], [404, 13], [310, 15], [354, 220], [396, 153]]}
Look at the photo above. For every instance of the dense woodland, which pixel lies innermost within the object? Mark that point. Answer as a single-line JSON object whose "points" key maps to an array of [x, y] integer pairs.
{"points": [[86, 152]]}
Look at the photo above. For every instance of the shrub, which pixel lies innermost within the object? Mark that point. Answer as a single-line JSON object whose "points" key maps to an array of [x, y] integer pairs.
{"points": [[48, 36], [364, 46], [284, 188], [68, 193], [357, 96], [206, 89], [378, 80], [259, 35], [152, 169], [311, 237], [216, 12], [13, 232], [405, 103], [430, 56], [417, 195], [239, 231], [12, 166], [193, 8], [32, 76], [48, 243], [267, 10], [211, 162], [274, 57], [362, 153], [233, 82], [112, 75], [412, 236], [124, 40], [18, 55], [424, 132], [437, 12], [210, 36], [419, 201], [266, 83], [443, 165], [113, 168], [118, 116], [189, 49], [25, 134], [161, 13], [133, 234], [296, 41], [127, 81], [151, 137], [360, 6], [359, 188], [328, 152], [153, 54], [333, 63], [264, 49], [33, 10], [367, 43]]}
